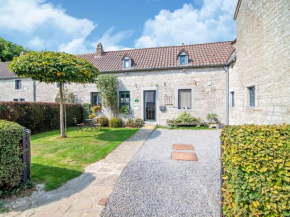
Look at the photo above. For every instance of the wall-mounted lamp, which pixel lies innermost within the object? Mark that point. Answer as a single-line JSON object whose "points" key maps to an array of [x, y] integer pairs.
{"points": [[136, 85], [164, 84]]}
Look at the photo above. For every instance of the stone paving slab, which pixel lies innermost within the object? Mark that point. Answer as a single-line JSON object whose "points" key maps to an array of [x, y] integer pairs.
{"points": [[80, 196]]}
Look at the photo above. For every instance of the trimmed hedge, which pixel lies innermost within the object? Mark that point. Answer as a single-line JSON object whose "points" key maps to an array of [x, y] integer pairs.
{"points": [[256, 164], [115, 122], [39, 116], [11, 166]]}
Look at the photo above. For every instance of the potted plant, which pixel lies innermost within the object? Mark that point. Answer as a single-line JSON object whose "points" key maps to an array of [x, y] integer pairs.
{"points": [[212, 120], [125, 110]]}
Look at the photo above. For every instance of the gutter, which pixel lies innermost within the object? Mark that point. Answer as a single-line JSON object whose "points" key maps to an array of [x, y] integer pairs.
{"points": [[231, 59], [34, 91], [164, 68]]}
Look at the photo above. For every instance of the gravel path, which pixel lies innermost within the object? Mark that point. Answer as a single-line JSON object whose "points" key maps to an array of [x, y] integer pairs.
{"points": [[154, 185]]}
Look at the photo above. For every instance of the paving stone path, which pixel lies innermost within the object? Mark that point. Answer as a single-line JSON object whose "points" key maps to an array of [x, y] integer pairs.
{"points": [[154, 184], [80, 196]]}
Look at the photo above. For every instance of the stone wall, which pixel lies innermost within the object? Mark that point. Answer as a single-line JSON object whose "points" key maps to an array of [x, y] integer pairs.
{"points": [[207, 84], [8, 91], [263, 61]]}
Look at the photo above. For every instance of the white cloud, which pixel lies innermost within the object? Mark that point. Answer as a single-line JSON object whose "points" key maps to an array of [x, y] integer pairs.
{"points": [[212, 22], [111, 41], [76, 46], [43, 25]]}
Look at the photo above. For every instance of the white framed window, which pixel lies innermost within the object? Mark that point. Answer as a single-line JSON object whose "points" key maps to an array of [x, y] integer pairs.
{"points": [[183, 59], [184, 99]]}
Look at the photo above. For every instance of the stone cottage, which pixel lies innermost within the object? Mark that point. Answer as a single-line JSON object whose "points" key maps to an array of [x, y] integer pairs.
{"points": [[243, 81]]}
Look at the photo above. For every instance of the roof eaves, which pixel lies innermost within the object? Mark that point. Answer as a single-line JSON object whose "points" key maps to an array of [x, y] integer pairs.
{"points": [[237, 9], [163, 68]]}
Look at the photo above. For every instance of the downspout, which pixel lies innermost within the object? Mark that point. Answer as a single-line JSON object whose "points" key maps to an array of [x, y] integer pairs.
{"points": [[226, 68], [34, 91]]}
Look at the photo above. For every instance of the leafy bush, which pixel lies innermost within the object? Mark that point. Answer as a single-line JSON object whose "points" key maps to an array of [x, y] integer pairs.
{"points": [[104, 120], [185, 118], [256, 163], [125, 109], [139, 122], [91, 116], [115, 122], [86, 111], [11, 166], [39, 116], [130, 123]]}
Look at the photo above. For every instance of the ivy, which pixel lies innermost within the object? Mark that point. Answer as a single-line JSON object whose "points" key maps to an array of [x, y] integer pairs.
{"points": [[256, 163], [107, 86]]}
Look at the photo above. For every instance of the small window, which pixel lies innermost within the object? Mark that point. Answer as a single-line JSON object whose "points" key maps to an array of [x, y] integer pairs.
{"points": [[126, 62], [21, 100], [124, 98], [57, 84], [18, 84], [233, 98], [15, 100], [184, 99], [252, 96], [95, 99], [183, 59]]}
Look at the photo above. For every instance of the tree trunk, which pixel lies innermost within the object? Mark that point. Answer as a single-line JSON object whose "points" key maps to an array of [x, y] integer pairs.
{"points": [[62, 131]]}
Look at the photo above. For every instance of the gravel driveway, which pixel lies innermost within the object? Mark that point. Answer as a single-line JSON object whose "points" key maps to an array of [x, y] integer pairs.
{"points": [[153, 184]]}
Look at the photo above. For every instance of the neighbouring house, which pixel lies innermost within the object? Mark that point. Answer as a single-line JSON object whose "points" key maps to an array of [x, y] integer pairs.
{"points": [[243, 81]]}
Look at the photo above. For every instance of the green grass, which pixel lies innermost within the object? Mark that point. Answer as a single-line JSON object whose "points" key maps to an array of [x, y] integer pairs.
{"points": [[56, 160]]}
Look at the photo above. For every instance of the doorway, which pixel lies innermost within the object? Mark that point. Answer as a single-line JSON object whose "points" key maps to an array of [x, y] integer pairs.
{"points": [[150, 105]]}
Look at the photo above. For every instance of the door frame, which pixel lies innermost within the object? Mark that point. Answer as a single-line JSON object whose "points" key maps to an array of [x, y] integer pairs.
{"points": [[144, 109]]}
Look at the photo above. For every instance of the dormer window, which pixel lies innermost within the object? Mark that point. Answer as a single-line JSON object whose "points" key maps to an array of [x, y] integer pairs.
{"points": [[126, 63], [183, 59]]}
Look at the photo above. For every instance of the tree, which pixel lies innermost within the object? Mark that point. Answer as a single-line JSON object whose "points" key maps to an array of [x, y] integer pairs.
{"points": [[107, 85], [53, 67], [8, 50]]}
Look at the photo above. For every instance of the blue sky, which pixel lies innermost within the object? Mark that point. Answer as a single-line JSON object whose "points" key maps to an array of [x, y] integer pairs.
{"points": [[76, 26]]}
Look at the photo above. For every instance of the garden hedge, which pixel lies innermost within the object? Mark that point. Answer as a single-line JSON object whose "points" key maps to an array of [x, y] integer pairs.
{"points": [[39, 116], [11, 166], [256, 165]]}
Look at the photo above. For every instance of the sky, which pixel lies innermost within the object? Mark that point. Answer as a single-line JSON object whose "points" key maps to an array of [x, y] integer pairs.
{"points": [[77, 26]]}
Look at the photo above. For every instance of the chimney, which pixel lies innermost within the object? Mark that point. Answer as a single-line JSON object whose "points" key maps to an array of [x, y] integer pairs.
{"points": [[100, 50], [182, 44]]}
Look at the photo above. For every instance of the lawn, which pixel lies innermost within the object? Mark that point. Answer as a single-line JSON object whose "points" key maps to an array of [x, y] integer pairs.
{"points": [[55, 160]]}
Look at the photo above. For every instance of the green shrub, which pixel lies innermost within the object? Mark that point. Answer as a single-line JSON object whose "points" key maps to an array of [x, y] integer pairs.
{"points": [[115, 122], [11, 166], [185, 118], [86, 111], [39, 116], [139, 122], [256, 164], [104, 120], [130, 123]]}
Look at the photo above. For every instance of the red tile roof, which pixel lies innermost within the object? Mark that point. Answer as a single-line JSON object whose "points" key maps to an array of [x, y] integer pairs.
{"points": [[209, 54]]}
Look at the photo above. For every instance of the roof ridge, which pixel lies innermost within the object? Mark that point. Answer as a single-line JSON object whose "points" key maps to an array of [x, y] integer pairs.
{"points": [[152, 48]]}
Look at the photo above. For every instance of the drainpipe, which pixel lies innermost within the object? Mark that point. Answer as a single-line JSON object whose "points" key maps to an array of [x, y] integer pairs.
{"points": [[226, 68], [34, 91]]}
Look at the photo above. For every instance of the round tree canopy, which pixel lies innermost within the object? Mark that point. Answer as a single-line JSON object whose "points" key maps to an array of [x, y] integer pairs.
{"points": [[46, 66]]}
